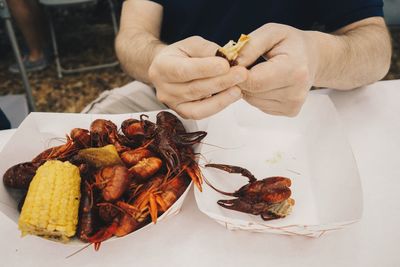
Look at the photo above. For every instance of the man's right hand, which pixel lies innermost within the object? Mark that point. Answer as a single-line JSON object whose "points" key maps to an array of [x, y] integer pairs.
{"points": [[191, 80]]}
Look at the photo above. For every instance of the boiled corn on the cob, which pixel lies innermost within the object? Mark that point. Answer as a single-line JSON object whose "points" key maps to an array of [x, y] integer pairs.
{"points": [[52, 203]]}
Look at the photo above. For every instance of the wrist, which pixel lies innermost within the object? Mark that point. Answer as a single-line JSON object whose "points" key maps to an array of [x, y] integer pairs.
{"points": [[156, 47], [324, 50]]}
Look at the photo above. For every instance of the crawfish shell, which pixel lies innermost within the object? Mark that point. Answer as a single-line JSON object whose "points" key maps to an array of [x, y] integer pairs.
{"points": [[231, 62]]}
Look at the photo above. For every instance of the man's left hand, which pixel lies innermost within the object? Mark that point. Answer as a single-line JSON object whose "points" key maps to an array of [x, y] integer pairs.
{"points": [[279, 86]]}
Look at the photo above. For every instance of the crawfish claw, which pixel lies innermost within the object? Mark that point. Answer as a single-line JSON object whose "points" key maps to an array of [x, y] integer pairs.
{"points": [[190, 138], [234, 169], [238, 205], [226, 203]]}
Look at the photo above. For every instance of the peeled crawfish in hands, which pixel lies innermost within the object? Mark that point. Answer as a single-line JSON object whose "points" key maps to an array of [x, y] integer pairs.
{"points": [[231, 50]]}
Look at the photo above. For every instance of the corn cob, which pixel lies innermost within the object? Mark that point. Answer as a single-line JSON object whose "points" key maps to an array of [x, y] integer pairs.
{"points": [[52, 203]]}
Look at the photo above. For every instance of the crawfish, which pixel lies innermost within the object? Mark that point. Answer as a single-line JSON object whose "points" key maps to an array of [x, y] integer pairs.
{"points": [[107, 211], [230, 51], [145, 168], [61, 152], [155, 198], [159, 195], [103, 234], [81, 137], [133, 128], [269, 197], [191, 167], [113, 181], [78, 139], [121, 225], [124, 220], [171, 141], [104, 132], [132, 157]]}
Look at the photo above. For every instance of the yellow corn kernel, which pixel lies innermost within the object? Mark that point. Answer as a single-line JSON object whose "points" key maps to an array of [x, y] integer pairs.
{"points": [[52, 204]]}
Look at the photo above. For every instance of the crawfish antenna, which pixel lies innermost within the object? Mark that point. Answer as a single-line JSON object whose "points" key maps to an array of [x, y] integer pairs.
{"points": [[79, 250]]}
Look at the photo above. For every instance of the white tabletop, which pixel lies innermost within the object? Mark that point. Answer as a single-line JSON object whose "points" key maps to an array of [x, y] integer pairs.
{"points": [[371, 117]]}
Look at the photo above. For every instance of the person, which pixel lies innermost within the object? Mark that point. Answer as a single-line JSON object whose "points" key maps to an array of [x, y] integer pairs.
{"points": [[4, 122], [171, 46], [28, 17]]}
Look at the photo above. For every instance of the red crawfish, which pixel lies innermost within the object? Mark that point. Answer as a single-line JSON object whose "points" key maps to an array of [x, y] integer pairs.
{"points": [[78, 139], [145, 168], [152, 200], [104, 132], [134, 156], [137, 129], [171, 141], [160, 194], [269, 197], [113, 181]]}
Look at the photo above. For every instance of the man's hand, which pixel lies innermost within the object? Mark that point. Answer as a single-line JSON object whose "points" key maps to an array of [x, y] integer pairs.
{"points": [[280, 85], [355, 55], [191, 80]]}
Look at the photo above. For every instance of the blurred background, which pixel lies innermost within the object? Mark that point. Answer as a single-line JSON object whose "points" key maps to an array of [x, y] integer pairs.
{"points": [[84, 36]]}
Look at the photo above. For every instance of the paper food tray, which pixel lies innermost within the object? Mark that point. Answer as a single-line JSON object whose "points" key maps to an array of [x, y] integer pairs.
{"points": [[311, 149], [40, 131]]}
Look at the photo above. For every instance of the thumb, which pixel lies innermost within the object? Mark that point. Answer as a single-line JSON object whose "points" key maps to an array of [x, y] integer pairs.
{"points": [[261, 41]]}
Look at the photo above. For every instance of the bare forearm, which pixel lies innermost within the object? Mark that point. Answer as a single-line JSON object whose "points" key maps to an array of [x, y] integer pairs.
{"points": [[353, 58], [138, 41], [135, 51]]}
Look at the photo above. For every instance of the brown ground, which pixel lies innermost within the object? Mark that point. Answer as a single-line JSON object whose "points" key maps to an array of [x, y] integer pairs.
{"points": [[89, 45]]}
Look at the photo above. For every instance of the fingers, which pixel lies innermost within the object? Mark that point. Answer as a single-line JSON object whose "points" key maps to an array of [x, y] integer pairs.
{"points": [[204, 108], [269, 106], [268, 75], [197, 46], [199, 89], [184, 69], [190, 59], [286, 101], [276, 73], [194, 82], [261, 41]]}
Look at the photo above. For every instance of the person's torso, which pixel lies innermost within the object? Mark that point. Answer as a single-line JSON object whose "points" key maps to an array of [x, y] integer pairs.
{"points": [[224, 20]]}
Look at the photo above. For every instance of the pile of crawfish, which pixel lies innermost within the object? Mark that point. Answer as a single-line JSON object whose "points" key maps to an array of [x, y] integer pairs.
{"points": [[128, 178]]}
